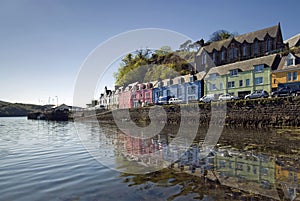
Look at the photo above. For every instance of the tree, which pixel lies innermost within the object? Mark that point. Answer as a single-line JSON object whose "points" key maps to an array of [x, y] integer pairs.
{"points": [[184, 46], [221, 35], [163, 50]]}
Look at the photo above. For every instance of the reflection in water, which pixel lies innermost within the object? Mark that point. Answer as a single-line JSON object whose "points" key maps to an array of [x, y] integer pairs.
{"points": [[249, 171]]}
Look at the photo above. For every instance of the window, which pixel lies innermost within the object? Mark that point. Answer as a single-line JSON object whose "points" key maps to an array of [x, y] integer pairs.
{"points": [[268, 45], [241, 83], [264, 171], [233, 53], [239, 166], [233, 72], [295, 76], [254, 170], [223, 55], [222, 164], [192, 78], [230, 84], [148, 95], [215, 56], [259, 68], [292, 76], [180, 80], [245, 50], [259, 80], [247, 82], [255, 49], [179, 91], [212, 87], [289, 62], [289, 76], [221, 86], [191, 90]]}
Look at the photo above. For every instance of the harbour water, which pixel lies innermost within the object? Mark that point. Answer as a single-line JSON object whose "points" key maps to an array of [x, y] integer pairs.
{"points": [[42, 160]]}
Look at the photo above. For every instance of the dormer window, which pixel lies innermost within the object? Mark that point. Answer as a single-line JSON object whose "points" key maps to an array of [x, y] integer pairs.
{"points": [[255, 49], [268, 45], [215, 57], [259, 68], [233, 72], [192, 78], [290, 60], [160, 84], [223, 55], [180, 80], [245, 52]]}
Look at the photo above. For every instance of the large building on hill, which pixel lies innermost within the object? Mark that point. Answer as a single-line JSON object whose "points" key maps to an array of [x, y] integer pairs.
{"points": [[243, 47]]}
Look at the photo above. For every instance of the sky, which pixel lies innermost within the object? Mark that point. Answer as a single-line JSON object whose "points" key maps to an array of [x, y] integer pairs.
{"points": [[45, 44]]}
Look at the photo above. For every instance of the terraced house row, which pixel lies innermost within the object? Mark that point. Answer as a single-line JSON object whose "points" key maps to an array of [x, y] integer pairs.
{"points": [[259, 60]]}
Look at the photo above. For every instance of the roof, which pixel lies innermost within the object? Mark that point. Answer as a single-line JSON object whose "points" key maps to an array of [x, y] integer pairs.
{"points": [[244, 65], [283, 67], [248, 37], [200, 75], [293, 41]]}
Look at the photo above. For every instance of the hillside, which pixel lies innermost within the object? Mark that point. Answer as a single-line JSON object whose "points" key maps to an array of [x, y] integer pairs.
{"points": [[146, 65], [17, 109]]}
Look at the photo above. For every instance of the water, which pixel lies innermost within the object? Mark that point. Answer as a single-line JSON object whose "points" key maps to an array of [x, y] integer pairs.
{"points": [[42, 160]]}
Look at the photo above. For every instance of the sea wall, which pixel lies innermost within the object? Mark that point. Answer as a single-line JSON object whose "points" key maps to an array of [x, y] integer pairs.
{"points": [[258, 113]]}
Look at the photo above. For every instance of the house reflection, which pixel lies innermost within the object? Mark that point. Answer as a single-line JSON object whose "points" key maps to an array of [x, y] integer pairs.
{"points": [[255, 173]]}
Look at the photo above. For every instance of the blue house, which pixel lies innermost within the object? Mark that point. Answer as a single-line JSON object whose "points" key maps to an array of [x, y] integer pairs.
{"points": [[161, 91], [194, 87], [186, 88]]}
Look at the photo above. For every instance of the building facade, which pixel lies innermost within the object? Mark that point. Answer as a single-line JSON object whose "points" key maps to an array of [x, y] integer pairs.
{"points": [[287, 73], [241, 78], [243, 47]]}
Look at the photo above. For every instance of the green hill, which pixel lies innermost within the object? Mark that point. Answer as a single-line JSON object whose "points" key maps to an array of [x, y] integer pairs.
{"points": [[17, 109]]}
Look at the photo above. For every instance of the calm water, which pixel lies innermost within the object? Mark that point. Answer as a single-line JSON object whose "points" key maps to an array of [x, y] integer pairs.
{"points": [[42, 160]]}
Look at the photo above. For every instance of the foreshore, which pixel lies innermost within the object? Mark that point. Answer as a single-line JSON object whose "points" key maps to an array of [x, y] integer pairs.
{"points": [[263, 124]]}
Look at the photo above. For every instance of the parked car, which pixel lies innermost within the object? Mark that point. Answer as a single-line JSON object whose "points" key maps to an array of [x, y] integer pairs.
{"points": [[209, 98], [162, 100], [175, 101], [285, 91], [257, 94], [225, 97]]}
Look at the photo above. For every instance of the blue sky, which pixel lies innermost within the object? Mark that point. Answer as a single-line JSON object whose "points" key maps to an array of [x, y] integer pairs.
{"points": [[44, 43]]}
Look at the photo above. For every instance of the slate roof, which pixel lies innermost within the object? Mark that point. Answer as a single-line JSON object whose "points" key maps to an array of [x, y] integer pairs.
{"points": [[248, 37], [244, 65], [283, 67], [293, 41]]}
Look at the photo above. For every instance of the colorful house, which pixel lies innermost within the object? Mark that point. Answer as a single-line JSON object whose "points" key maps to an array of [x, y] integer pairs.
{"points": [[241, 78], [142, 94], [287, 73], [161, 89], [194, 88], [126, 98]]}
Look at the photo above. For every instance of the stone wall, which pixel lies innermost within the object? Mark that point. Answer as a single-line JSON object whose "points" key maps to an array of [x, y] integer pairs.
{"points": [[258, 113]]}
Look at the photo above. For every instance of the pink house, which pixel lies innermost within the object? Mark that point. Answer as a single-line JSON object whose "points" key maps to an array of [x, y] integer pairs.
{"points": [[126, 97], [142, 94]]}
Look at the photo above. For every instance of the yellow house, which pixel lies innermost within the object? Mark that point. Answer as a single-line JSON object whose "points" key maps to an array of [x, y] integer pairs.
{"points": [[287, 73]]}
